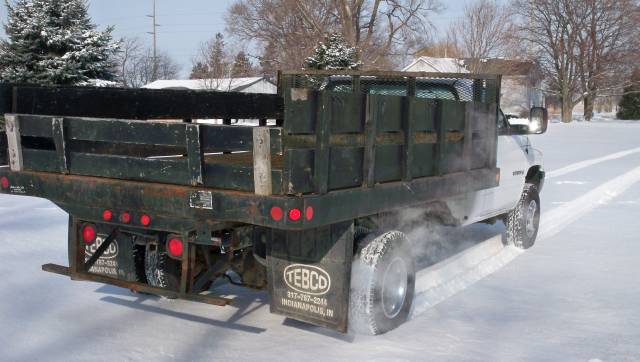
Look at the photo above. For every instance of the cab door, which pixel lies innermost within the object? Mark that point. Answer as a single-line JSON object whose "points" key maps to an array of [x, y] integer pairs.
{"points": [[513, 160]]}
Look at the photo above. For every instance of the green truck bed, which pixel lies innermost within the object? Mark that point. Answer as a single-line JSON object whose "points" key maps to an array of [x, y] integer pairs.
{"points": [[342, 135]]}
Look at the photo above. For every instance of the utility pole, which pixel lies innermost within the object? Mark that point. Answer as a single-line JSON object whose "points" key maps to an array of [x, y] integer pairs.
{"points": [[155, 41]]}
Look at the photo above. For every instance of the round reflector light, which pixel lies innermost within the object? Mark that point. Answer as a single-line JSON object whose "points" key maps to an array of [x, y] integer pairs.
{"points": [[295, 214], [5, 183], [276, 213], [145, 220], [88, 234], [125, 217], [175, 247], [308, 213], [107, 215]]}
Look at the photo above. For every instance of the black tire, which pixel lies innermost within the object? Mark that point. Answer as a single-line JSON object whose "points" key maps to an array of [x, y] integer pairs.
{"points": [[160, 270], [377, 260], [523, 222]]}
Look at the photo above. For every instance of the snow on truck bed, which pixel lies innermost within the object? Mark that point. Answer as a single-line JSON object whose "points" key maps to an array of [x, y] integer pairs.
{"points": [[574, 296]]}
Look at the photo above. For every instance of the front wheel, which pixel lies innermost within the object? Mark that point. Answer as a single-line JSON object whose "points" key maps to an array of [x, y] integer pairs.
{"points": [[382, 285], [523, 221]]}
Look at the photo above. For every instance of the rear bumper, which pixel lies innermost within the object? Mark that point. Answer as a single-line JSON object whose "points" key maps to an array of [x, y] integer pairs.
{"points": [[182, 208]]}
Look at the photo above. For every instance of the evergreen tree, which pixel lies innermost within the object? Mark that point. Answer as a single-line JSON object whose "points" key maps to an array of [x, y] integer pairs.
{"points": [[55, 42], [199, 71], [334, 53], [217, 61], [629, 107], [242, 66]]}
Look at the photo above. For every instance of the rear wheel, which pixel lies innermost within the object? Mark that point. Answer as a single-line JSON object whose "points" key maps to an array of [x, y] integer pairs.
{"points": [[523, 221], [382, 285], [160, 270]]}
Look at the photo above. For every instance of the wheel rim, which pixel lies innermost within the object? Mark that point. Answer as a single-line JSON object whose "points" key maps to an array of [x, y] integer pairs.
{"points": [[531, 218], [394, 288]]}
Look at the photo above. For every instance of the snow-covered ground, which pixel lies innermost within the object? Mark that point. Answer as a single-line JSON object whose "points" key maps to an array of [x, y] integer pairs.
{"points": [[574, 296]]}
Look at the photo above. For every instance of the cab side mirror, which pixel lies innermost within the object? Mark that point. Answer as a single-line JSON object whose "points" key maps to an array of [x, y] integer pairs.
{"points": [[538, 120]]}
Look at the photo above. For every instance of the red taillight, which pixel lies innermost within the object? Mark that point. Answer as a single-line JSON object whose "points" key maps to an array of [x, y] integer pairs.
{"points": [[88, 234], [107, 215], [276, 213], [308, 213], [175, 247], [145, 220], [295, 214], [125, 217], [4, 182]]}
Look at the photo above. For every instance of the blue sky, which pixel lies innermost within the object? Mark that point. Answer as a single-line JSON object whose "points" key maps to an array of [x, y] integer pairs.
{"points": [[186, 23]]}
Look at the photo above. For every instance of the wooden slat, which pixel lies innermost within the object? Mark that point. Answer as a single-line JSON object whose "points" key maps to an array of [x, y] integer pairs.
{"points": [[408, 128], [40, 160], [195, 157], [215, 138], [126, 131], [14, 142], [143, 104], [471, 117], [237, 177], [171, 171], [57, 130], [35, 126], [4, 157], [263, 183], [323, 147], [370, 132], [440, 131]]}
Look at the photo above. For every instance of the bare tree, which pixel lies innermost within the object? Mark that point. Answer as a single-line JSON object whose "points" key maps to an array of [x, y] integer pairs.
{"points": [[605, 46], [214, 65], [136, 65], [446, 47], [550, 28], [484, 31], [129, 52], [585, 47], [382, 30]]}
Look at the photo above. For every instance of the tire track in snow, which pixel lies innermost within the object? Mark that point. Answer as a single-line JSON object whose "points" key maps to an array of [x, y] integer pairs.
{"points": [[443, 280], [584, 164], [554, 221]]}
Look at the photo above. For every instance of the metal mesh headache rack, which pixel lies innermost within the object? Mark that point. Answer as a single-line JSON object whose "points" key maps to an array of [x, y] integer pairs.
{"points": [[456, 87]]}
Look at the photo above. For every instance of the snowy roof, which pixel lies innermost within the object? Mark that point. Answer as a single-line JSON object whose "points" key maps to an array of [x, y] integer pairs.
{"points": [[220, 84], [440, 65]]}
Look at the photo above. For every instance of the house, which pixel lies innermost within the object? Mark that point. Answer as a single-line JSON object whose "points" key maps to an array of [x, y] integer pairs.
{"points": [[244, 85], [436, 65], [521, 80]]}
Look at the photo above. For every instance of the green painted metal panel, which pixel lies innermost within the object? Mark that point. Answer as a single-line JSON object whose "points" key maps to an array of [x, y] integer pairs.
{"points": [[388, 110], [388, 163], [345, 167], [423, 114], [346, 112], [300, 111], [298, 171], [423, 163]]}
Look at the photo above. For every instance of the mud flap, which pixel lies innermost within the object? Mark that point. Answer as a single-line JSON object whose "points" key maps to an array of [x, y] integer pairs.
{"points": [[310, 274], [117, 261]]}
